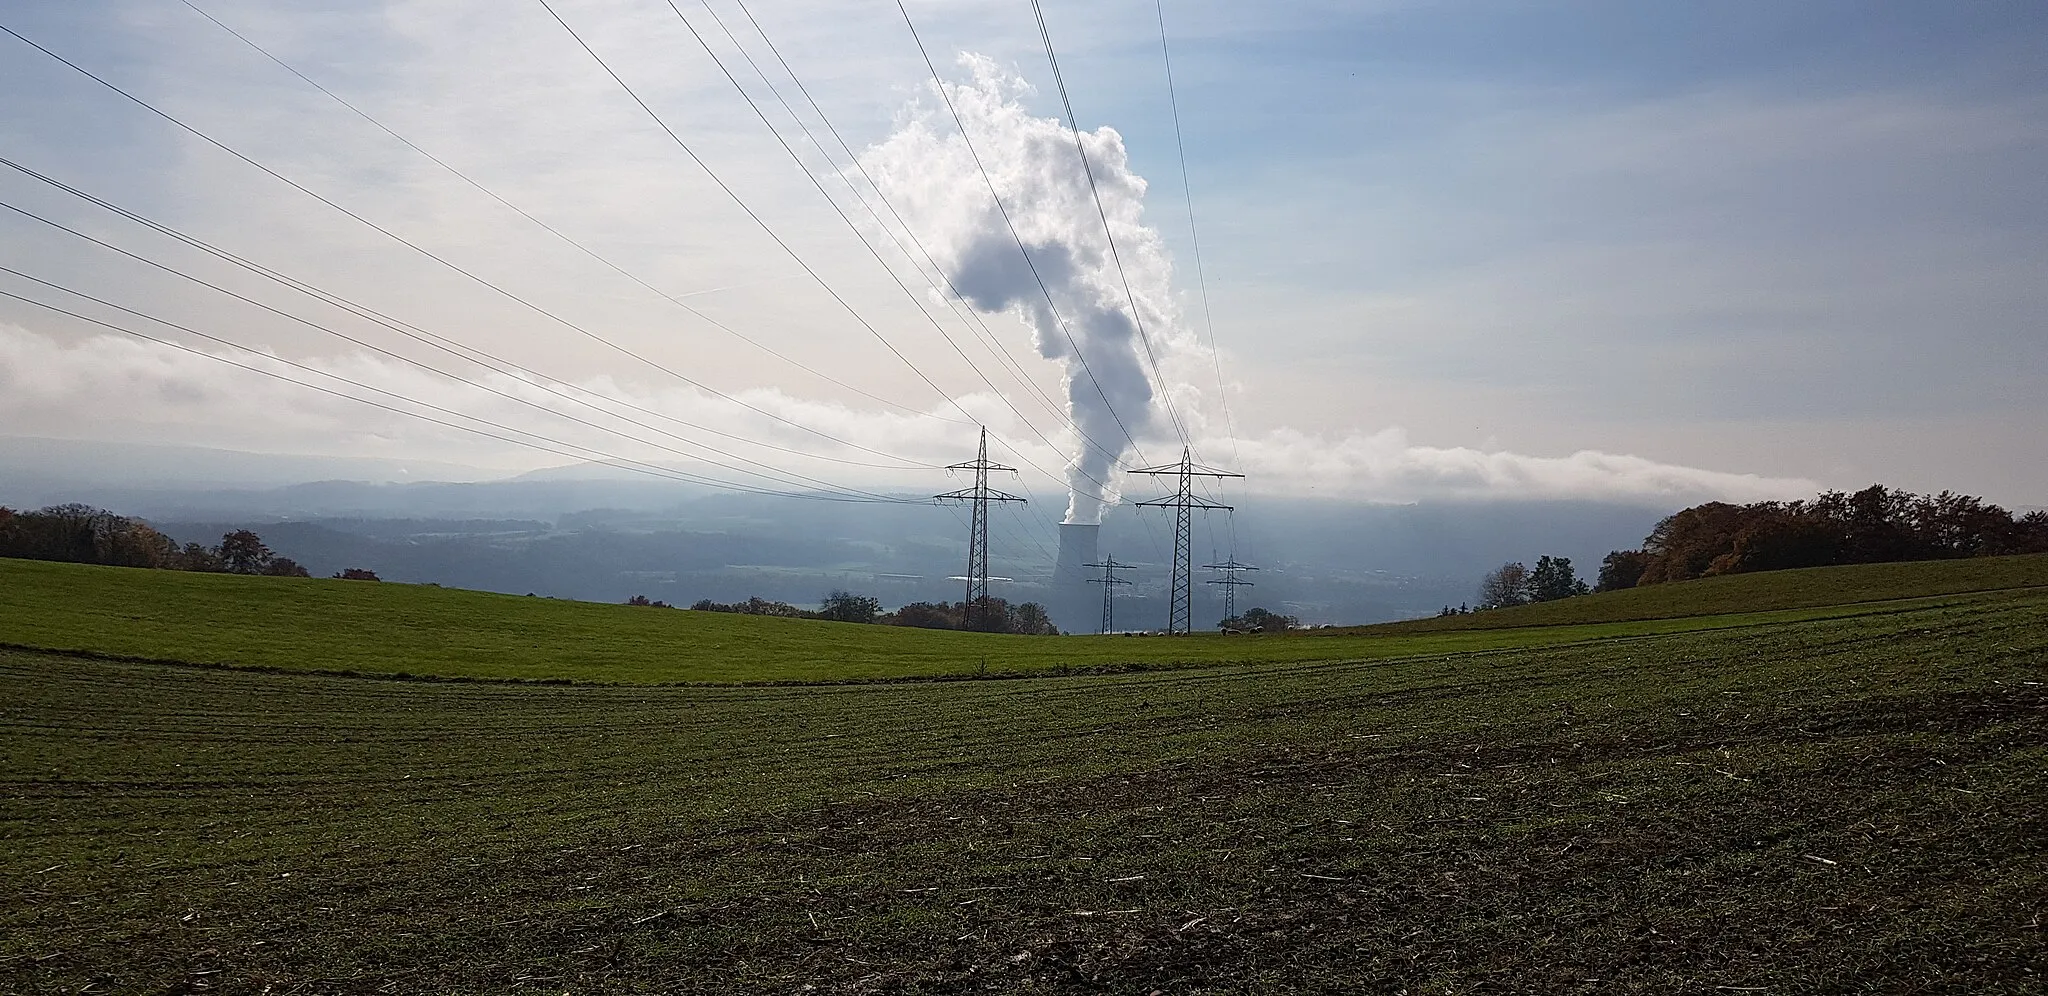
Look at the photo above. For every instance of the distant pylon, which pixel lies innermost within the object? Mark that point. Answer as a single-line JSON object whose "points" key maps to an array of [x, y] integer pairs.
{"points": [[975, 609], [1109, 581], [1229, 582], [1180, 607]]}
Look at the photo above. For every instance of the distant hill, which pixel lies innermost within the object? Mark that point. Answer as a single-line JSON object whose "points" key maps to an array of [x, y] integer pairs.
{"points": [[1759, 592]]}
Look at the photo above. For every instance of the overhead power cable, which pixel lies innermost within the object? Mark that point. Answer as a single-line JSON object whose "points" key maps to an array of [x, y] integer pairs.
{"points": [[791, 478], [760, 222], [988, 337], [547, 444], [1009, 223], [1201, 276], [443, 343], [138, 101], [750, 213], [862, 236], [1088, 169], [1194, 233], [550, 229]]}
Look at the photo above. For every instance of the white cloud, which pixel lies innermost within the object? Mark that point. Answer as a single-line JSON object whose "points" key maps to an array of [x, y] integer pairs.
{"points": [[1386, 466], [113, 387]]}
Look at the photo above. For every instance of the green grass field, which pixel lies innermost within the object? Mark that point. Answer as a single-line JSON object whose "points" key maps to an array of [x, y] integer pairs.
{"points": [[349, 626], [1738, 593]]}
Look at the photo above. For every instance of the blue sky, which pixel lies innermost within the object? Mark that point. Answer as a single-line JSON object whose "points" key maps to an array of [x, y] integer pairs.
{"points": [[1781, 244]]}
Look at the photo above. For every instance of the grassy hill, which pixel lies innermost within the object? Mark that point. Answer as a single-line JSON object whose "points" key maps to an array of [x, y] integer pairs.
{"points": [[375, 628], [1741, 593], [1807, 805]]}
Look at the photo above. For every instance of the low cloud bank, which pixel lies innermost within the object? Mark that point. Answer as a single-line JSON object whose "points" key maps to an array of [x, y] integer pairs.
{"points": [[119, 389], [1386, 466]]}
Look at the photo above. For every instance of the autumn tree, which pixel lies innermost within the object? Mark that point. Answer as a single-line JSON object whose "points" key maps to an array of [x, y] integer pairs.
{"points": [[1874, 525], [1504, 586]]}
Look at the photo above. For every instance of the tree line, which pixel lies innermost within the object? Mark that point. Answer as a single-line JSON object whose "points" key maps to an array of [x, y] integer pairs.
{"points": [[1874, 525], [1027, 618], [81, 534], [1515, 583], [1259, 620]]}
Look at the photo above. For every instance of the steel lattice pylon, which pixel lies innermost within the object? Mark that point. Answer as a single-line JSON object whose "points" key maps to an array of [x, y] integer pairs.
{"points": [[1230, 583], [1109, 581], [975, 609], [1180, 607]]}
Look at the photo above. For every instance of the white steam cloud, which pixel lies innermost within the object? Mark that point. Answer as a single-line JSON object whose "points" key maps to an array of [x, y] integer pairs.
{"points": [[928, 171]]}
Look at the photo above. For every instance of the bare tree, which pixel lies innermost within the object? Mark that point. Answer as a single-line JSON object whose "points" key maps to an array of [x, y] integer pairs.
{"points": [[1505, 585]]}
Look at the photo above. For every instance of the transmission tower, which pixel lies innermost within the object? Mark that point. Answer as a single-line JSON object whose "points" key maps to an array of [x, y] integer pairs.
{"points": [[1230, 583], [1184, 501], [975, 609], [1109, 581]]}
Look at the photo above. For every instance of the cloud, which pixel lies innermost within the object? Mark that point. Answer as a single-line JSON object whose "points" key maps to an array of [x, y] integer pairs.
{"points": [[114, 387], [1386, 466]]}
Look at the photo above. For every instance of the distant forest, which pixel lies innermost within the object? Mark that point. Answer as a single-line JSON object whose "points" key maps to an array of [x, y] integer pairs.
{"points": [[1874, 525], [81, 534], [998, 616]]}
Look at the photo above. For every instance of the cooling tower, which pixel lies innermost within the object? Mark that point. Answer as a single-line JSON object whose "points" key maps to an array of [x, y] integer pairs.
{"points": [[1076, 605]]}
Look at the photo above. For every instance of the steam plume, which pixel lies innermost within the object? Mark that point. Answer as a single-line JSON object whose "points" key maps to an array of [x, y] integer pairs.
{"points": [[929, 173]]}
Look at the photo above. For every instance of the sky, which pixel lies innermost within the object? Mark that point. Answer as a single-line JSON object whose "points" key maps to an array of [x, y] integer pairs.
{"points": [[1652, 252]]}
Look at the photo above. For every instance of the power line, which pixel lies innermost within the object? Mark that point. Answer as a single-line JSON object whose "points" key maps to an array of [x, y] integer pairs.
{"points": [[1195, 235], [550, 229], [539, 383], [757, 219], [1201, 276], [858, 234], [1051, 307], [385, 231], [797, 479], [1116, 257], [988, 337], [755, 107], [438, 341], [855, 189], [577, 451]]}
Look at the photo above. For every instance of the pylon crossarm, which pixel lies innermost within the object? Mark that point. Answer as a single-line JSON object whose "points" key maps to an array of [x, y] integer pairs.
{"points": [[1175, 470], [1191, 501], [972, 494]]}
